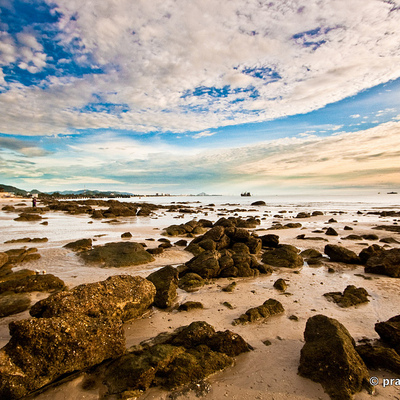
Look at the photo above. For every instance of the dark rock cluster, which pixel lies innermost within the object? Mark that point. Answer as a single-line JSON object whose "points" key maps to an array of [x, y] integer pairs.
{"points": [[71, 331], [172, 360]]}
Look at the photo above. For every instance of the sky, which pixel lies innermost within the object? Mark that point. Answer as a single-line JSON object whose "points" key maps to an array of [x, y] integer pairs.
{"points": [[176, 96]]}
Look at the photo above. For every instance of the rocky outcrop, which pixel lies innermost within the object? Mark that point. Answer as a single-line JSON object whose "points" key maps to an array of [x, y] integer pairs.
{"points": [[329, 357], [190, 228], [341, 254], [269, 308], [312, 256], [70, 331], [351, 296], [270, 240], [225, 252], [3, 259], [17, 256], [189, 354], [377, 260], [28, 240], [379, 357], [166, 282], [259, 203], [28, 217], [32, 283], [117, 254], [284, 256]]}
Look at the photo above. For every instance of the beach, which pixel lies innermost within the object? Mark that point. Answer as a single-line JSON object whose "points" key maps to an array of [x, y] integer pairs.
{"points": [[269, 371]]}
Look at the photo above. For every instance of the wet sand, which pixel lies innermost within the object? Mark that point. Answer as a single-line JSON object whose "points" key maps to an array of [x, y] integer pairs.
{"points": [[268, 372]]}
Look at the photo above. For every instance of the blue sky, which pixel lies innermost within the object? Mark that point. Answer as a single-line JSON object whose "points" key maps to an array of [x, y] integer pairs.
{"points": [[183, 97]]}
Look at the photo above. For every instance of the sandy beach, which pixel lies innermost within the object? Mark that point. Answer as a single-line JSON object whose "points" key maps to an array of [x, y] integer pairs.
{"points": [[267, 372]]}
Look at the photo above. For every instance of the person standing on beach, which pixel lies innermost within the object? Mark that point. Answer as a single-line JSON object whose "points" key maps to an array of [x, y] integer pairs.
{"points": [[33, 202]]}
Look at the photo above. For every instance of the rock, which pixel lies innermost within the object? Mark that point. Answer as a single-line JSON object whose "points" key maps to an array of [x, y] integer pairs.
{"points": [[347, 228], [191, 282], [370, 236], [118, 254], [350, 297], [280, 284], [332, 221], [43, 349], [13, 304], [229, 288], [28, 217], [303, 215], [16, 256], [190, 305], [270, 240], [389, 240], [120, 296], [329, 357], [28, 240], [371, 251], [352, 237], [285, 256], [341, 254], [259, 203], [181, 242], [269, 308], [205, 264], [331, 232], [379, 357], [316, 213], [312, 256], [97, 214], [155, 251], [389, 332], [32, 283], [384, 262], [126, 235], [389, 228], [166, 282], [79, 245]]}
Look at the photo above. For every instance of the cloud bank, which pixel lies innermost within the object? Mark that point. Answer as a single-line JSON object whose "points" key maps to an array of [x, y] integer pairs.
{"points": [[173, 65]]}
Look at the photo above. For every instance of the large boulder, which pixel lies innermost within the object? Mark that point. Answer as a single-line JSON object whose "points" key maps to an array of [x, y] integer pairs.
{"points": [[284, 255], [384, 262], [341, 254], [117, 254], [166, 282], [121, 296], [42, 349], [329, 357]]}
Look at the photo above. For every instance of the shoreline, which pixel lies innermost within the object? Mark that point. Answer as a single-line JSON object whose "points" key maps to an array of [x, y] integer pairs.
{"points": [[266, 372]]}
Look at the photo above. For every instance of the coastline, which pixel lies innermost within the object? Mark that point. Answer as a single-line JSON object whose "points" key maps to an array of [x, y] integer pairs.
{"points": [[268, 371]]}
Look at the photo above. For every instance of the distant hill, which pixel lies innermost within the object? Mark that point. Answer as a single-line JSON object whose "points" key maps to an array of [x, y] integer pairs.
{"points": [[92, 193], [97, 193], [12, 189]]}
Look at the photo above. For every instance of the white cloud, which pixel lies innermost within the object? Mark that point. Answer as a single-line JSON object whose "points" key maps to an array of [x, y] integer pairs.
{"points": [[203, 134], [155, 52], [355, 116]]}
